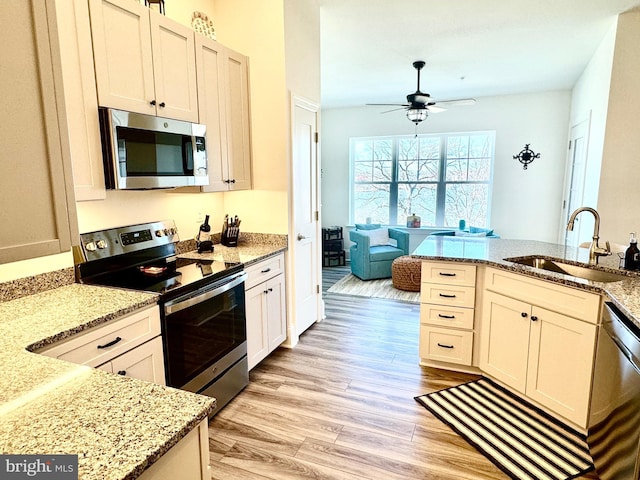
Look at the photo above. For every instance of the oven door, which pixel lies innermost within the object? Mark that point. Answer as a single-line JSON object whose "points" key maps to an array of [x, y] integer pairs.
{"points": [[205, 334]]}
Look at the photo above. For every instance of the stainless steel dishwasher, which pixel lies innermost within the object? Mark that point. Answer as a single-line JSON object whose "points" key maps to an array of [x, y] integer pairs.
{"points": [[614, 419]]}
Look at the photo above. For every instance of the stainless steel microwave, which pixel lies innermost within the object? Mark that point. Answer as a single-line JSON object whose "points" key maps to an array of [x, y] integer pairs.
{"points": [[144, 152]]}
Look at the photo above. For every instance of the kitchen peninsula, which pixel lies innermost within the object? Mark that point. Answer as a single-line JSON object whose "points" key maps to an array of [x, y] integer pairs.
{"points": [[485, 310]]}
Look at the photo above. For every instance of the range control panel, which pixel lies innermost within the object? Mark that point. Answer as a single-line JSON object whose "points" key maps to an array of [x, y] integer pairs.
{"points": [[119, 240]]}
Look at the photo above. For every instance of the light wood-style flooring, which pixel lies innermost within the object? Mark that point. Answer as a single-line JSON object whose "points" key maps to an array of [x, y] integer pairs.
{"points": [[340, 405]]}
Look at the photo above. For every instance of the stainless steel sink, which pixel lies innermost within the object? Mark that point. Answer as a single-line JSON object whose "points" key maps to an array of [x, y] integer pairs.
{"points": [[559, 266]]}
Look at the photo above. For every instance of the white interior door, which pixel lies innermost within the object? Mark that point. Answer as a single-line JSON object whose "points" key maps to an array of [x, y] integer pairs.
{"points": [[305, 230], [574, 187]]}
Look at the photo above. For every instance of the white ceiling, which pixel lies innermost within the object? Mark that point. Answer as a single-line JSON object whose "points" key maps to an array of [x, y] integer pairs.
{"points": [[473, 48]]}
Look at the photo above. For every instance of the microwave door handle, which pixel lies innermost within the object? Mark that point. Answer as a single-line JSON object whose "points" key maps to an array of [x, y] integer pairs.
{"points": [[187, 154], [178, 304]]}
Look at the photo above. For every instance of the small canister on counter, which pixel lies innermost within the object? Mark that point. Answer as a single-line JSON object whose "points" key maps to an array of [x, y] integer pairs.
{"points": [[413, 221]]}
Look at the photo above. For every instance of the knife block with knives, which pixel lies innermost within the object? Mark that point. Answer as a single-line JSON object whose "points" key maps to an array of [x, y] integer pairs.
{"points": [[230, 231]]}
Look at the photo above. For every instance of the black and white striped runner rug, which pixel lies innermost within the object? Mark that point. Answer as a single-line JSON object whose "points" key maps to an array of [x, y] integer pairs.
{"points": [[522, 441]]}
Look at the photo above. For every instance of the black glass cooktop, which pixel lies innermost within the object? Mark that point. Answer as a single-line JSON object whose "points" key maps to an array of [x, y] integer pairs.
{"points": [[164, 276]]}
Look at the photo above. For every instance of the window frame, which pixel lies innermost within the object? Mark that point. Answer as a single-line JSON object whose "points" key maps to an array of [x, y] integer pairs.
{"points": [[441, 183]]}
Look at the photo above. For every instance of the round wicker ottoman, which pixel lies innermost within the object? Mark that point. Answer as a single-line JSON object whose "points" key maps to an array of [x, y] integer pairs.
{"points": [[405, 273]]}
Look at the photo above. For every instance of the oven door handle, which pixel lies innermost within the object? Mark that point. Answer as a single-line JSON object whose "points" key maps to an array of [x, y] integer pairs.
{"points": [[178, 304]]}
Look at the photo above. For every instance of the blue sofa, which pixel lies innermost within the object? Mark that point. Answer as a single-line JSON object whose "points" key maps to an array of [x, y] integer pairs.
{"points": [[369, 261]]}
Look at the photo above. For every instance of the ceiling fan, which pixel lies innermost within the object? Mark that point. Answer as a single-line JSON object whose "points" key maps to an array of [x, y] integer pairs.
{"points": [[420, 104]]}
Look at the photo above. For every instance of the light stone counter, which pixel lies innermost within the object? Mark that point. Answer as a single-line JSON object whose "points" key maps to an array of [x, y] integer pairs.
{"points": [[624, 294], [118, 426], [246, 254]]}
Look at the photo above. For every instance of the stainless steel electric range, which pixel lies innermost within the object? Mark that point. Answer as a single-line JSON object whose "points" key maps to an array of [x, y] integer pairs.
{"points": [[202, 303]]}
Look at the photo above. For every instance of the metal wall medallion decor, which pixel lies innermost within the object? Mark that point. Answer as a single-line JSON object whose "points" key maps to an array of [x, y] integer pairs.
{"points": [[526, 156]]}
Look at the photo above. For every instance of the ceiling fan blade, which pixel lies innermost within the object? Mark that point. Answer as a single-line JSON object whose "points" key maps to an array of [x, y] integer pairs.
{"points": [[387, 104], [436, 109], [460, 102], [395, 109]]}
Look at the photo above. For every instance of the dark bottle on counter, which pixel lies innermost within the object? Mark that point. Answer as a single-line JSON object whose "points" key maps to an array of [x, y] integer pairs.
{"points": [[204, 237], [632, 254]]}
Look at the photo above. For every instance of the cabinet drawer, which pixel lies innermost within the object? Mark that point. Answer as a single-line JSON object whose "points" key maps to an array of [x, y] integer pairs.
{"points": [[101, 344], [264, 270], [450, 273], [457, 317], [453, 346], [457, 296], [574, 302]]}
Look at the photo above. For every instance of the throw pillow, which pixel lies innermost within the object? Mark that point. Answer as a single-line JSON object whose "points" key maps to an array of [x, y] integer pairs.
{"points": [[376, 237]]}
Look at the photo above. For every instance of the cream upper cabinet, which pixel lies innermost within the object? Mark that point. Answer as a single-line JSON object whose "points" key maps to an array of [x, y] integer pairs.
{"points": [[545, 353], [36, 187], [144, 62], [223, 98], [81, 102]]}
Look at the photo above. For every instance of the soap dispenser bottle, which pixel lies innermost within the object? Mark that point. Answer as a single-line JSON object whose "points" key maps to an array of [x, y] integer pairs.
{"points": [[632, 254]]}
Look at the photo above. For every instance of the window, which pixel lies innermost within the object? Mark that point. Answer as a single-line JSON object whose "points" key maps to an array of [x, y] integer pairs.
{"points": [[442, 178]]}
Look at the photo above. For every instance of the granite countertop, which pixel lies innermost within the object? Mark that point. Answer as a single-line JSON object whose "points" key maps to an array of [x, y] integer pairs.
{"points": [[625, 294], [117, 426], [246, 254]]}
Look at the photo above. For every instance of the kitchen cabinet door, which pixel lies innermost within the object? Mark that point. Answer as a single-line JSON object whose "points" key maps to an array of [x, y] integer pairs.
{"points": [[238, 120], [276, 317], [560, 363], [38, 214], [211, 107], [505, 339], [174, 68], [145, 362], [81, 102], [121, 35]]}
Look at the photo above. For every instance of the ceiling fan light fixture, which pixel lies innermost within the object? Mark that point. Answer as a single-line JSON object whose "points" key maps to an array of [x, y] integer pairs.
{"points": [[416, 115]]}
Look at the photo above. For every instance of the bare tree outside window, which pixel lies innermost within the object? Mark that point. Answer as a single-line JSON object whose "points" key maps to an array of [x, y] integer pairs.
{"points": [[442, 178]]}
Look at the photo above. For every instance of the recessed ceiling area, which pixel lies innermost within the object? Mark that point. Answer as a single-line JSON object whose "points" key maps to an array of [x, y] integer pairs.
{"points": [[472, 48]]}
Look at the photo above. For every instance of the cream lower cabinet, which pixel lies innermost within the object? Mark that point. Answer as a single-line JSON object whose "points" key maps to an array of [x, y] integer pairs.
{"points": [[265, 308], [187, 460], [145, 362], [447, 300], [539, 338], [129, 346]]}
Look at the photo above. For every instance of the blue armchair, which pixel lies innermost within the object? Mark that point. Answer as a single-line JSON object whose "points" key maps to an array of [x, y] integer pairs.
{"points": [[371, 256]]}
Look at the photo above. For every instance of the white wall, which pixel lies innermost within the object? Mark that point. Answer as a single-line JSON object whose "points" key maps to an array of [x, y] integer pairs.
{"points": [[589, 102], [525, 204], [619, 193]]}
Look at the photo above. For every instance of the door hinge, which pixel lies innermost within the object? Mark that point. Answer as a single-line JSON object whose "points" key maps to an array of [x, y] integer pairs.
{"points": [[317, 137], [570, 144], [317, 288], [316, 215]]}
